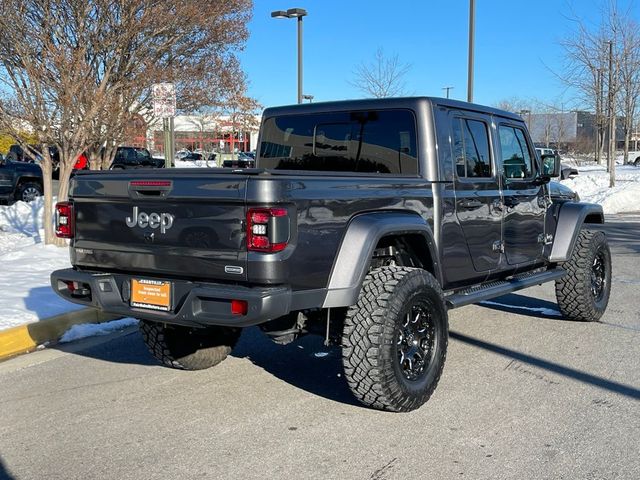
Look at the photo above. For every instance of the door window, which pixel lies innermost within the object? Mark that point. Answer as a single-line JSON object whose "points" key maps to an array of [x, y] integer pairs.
{"points": [[471, 148], [516, 158]]}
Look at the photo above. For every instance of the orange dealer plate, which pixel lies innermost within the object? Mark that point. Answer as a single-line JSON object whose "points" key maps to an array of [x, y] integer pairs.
{"points": [[152, 294]]}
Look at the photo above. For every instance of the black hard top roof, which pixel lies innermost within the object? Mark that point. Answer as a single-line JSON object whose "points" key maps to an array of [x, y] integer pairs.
{"points": [[373, 103]]}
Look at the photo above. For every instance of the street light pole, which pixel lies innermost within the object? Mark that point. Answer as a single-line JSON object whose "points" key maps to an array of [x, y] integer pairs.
{"points": [[300, 59], [472, 27], [295, 13]]}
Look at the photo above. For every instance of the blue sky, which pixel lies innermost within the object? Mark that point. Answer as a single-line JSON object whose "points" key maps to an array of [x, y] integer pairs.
{"points": [[517, 46]]}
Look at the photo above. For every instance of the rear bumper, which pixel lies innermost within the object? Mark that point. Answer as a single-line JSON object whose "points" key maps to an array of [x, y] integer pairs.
{"points": [[193, 303]]}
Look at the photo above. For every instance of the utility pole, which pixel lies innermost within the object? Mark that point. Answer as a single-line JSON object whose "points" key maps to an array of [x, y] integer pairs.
{"points": [[447, 90], [472, 27], [597, 125], [611, 162]]}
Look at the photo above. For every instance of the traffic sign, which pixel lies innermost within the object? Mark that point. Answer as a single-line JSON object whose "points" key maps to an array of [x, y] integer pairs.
{"points": [[164, 100]]}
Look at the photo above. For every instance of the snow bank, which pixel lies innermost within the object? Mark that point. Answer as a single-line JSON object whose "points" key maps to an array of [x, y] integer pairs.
{"points": [[193, 164], [20, 225], [26, 293], [592, 184], [84, 330], [26, 265]]}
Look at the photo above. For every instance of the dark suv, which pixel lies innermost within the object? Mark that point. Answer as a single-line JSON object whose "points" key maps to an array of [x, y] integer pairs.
{"points": [[135, 157], [19, 180], [17, 154]]}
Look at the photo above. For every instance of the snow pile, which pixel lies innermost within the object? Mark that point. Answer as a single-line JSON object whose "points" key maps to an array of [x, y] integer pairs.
{"points": [[20, 225], [592, 184], [194, 164], [26, 293], [84, 330], [26, 265]]}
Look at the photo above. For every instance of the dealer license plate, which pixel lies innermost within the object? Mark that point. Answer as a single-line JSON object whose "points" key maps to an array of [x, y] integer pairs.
{"points": [[152, 294]]}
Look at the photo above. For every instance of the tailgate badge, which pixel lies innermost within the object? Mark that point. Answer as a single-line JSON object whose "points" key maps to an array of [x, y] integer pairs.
{"points": [[153, 220], [233, 269]]}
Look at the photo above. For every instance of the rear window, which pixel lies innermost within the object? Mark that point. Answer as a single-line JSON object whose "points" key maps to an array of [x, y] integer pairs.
{"points": [[373, 141]]}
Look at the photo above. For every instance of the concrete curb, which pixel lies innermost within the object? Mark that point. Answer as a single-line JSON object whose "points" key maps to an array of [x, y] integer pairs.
{"points": [[26, 338]]}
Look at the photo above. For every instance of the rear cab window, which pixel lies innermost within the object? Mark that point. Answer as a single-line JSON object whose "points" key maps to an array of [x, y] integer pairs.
{"points": [[371, 141]]}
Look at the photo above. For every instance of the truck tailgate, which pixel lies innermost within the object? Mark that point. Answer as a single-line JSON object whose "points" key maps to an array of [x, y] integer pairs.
{"points": [[161, 223]]}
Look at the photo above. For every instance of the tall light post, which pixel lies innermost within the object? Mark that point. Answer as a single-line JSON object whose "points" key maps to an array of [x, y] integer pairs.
{"points": [[472, 28], [295, 13]]}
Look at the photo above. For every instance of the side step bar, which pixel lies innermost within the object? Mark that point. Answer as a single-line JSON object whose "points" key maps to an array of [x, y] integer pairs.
{"points": [[496, 289]]}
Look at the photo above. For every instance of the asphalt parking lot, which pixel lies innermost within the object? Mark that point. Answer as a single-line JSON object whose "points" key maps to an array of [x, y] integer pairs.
{"points": [[524, 395]]}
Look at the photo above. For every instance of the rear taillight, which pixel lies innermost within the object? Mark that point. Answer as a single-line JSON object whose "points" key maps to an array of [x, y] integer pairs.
{"points": [[267, 229], [64, 219]]}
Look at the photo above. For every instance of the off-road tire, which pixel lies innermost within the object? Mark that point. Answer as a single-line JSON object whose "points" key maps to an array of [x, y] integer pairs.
{"points": [[29, 191], [188, 348], [371, 336], [574, 292]]}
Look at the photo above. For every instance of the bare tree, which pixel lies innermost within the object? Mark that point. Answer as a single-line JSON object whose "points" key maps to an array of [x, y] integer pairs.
{"points": [[76, 70], [382, 77], [585, 65], [606, 59], [514, 104], [629, 77]]}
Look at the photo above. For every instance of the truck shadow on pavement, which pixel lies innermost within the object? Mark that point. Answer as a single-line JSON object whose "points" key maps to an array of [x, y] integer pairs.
{"points": [[523, 305], [127, 348], [306, 364], [4, 473], [600, 382]]}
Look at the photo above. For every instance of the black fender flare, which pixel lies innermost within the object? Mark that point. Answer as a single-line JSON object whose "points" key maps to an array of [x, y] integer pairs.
{"points": [[571, 217], [356, 250]]}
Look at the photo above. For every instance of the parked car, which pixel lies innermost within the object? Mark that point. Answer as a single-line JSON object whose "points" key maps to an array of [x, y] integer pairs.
{"points": [[242, 160], [634, 158], [192, 156], [19, 180], [567, 171], [134, 157], [17, 154]]}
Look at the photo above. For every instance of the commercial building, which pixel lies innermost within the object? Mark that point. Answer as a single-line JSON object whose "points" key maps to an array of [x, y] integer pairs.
{"points": [[206, 133]]}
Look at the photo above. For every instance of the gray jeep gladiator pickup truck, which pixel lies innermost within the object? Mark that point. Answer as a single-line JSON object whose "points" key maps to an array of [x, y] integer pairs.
{"points": [[364, 221]]}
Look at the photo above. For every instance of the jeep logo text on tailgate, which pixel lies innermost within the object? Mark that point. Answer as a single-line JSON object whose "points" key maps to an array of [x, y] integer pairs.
{"points": [[153, 220]]}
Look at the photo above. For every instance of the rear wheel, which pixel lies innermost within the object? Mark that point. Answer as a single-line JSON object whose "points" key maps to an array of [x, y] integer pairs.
{"points": [[395, 339], [188, 348], [28, 192], [583, 293]]}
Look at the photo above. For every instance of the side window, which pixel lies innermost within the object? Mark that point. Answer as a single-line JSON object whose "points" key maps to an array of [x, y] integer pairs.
{"points": [[516, 159], [471, 148]]}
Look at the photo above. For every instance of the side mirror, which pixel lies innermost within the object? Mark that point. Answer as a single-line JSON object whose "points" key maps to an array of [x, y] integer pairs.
{"points": [[551, 165]]}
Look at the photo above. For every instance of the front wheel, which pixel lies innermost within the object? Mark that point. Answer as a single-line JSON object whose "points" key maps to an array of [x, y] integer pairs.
{"points": [[187, 348], [395, 339], [583, 293]]}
